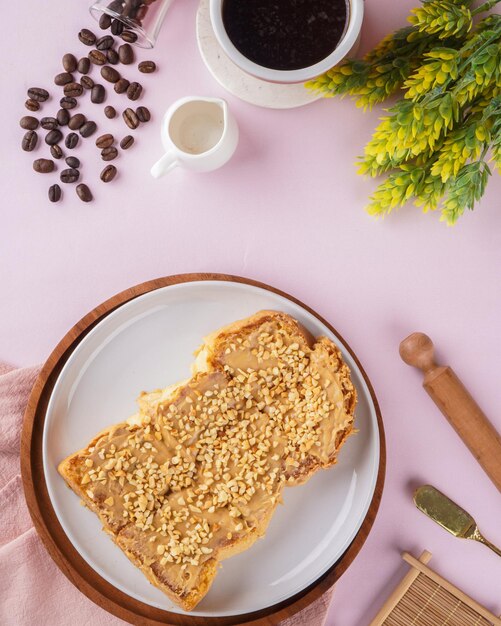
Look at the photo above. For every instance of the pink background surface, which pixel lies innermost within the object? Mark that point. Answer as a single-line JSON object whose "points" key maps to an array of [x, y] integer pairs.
{"points": [[287, 210]]}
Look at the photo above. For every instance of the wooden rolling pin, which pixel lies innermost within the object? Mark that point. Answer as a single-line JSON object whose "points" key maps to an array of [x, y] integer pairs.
{"points": [[455, 402]]}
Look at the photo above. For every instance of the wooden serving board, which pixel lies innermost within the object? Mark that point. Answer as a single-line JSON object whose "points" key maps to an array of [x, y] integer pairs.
{"points": [[57, 543]]}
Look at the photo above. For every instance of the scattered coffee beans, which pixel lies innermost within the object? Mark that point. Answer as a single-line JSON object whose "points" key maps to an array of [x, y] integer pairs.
{"points": [[56, 151], [87, 82], [110, 74], [54, 193], [73, 90], [49, 123], [70, 175], [63, 79], [76, 121], [97, 57], [70, 63], [87, 37], [110, 153], [110, 112], [130, 118], [72, 162], [121, 85], [28, 122], [83, 65], [53, 137], [43, 166], [29, 141], [67, 103], [63, 117], [117, 27], [84, 193], [112, 56], [126, 54], [105, 141], [38, 94], [127, 142], [134, 91], [143, 114], [108, 174], [105, 21], [71, 141], [98, 94], [147, 67], [129, 36], [88, 129], [32, 105], [104, 43]]}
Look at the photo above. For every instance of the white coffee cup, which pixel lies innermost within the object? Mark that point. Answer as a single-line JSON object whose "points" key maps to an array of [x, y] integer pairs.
{"points": [[199, 134], [347, 46]]}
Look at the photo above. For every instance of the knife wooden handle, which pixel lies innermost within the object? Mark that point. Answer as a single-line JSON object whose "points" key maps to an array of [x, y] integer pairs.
{"points": [[456, 403]]}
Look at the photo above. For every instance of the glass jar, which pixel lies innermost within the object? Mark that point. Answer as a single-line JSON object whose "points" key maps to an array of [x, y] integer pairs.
{"points": [[142, 17]]}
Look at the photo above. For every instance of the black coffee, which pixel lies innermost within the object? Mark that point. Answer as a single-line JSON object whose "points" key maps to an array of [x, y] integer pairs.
{"points": [[285, 34]]}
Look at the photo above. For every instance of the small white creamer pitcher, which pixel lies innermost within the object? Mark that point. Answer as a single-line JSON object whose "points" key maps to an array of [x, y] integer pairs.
{"points": [[199, 134]]}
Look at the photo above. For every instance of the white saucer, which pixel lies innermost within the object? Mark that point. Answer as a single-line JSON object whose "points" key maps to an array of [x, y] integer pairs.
{"points": [[239, 83]]}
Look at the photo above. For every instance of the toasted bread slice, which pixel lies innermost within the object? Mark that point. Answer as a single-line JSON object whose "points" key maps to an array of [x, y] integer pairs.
{"points": [[194, 477]]}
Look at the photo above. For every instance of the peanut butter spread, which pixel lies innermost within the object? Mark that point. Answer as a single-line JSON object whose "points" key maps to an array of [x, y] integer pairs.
{"points": [[203, 463]]}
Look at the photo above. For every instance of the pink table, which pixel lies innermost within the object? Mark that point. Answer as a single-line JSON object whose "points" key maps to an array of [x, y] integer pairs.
{"points": [[287, 210]]}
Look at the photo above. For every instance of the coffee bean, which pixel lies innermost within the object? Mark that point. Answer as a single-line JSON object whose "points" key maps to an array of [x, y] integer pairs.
{"points": [[108, 174], [53, 137], [32, 105], [73, 90], [63, 79], [88, 129], [129, 36], [143, 114], [69, 63], [56, 151], [110, 112], [147, 67], [28, 122], [38, 94], [127, 142], [121, 85], [126, 54], [130, 118], [98, 94], [67, 103], [104, 43], [117, 27], [104, 21], [110, 153], [43, 166], [54, 193], [84, 193], [83, 65], [115, 6], [105, 141], [110, 74], [62, 117], [70, 175], [87, 37], [141, 14], [112, 56], [97, 57], [134, 91], [73, 162], [71, 141], [49, 123], [76, 121], [87, 82], [29, 141]]}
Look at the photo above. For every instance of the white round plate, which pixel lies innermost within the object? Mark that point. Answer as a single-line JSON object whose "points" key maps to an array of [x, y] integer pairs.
{"points": [[148, 343]]}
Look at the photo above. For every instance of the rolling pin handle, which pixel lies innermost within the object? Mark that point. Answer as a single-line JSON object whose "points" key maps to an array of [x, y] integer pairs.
{"points": [[418, 350]]}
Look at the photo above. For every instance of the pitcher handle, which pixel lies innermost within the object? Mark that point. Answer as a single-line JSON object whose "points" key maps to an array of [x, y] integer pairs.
{"points": [[164, 165]]}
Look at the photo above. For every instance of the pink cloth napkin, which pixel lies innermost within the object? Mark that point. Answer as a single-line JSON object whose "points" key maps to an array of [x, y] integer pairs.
{"points": [[33, 591]]}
